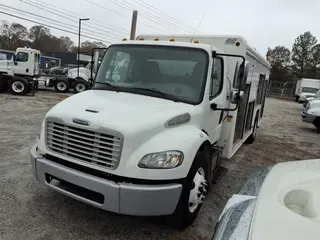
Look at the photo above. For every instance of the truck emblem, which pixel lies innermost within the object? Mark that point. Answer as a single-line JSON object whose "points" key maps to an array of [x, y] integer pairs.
{"points": [[80, 121]]}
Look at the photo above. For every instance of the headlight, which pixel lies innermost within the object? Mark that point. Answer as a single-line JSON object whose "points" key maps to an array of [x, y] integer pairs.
{"points": [[162, 160]]}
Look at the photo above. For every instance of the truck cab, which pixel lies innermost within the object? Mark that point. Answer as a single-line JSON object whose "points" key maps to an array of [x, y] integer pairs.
{"points": [[18, 73], [25, 62]]}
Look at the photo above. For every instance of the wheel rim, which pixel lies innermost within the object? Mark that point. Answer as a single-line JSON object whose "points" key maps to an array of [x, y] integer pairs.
{"points": [[197, 193], [80, 87], [62, 86], [18, 86]]}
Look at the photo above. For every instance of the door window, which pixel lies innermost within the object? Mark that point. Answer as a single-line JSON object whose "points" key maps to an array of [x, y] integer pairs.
{"points": [[216, 78], [22, 57]]}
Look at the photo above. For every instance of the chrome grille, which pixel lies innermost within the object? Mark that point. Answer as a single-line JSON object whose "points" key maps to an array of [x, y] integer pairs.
{"points": [[96, 148]]}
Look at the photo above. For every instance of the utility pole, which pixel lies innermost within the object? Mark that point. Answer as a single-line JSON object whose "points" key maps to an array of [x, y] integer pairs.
{"points": [[134, 25], [81, 19]]}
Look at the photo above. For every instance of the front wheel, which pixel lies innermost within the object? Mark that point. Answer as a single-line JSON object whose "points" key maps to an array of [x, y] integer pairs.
{"points": [[193, 193], [19, 86]]}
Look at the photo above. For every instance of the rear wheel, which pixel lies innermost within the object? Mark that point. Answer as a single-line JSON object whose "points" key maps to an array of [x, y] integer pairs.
{"points": [[62, 85], [193, 193], [80, 85], [19, 86], [253, 135]]}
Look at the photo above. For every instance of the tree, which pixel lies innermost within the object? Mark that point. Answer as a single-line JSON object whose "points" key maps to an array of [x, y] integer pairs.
{"points": [[87, 46], [38, 31], [302, 52], [280, 56], [13, 35], [66, 44]]}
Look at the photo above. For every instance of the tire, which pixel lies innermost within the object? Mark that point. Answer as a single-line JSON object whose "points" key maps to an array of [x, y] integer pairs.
{"points": [[316, 123], [253, 135], [62, 85], [297, 98], [80, 85], [19, 86], [186, 213]]}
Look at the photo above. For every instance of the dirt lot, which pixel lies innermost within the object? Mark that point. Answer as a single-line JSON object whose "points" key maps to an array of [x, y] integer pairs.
{"points": [[30, 211]]}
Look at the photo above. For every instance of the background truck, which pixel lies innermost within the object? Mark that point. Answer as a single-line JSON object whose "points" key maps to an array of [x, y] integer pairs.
{"points": [[70, 80], [17, 74], [148, 139], [306, 88]]}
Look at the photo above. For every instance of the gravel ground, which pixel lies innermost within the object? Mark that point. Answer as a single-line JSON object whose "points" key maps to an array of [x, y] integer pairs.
{"points": [[30, 211]]}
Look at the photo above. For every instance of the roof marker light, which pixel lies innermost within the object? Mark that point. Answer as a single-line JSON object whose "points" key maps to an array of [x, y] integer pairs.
{"points": [[171, 40], [196, 41], [156, 39]]}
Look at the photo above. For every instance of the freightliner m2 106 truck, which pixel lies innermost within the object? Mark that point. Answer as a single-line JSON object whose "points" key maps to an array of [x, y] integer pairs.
{"points": [[148, 139]]}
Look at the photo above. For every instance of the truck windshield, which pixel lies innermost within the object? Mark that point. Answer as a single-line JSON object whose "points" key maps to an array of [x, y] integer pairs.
{"points": [[172, 73], [309, 90]]}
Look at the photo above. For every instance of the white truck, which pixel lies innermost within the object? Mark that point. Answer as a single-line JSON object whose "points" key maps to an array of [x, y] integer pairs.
{"points": [[311, 113], [63, 83], [17, 74], [306, 88], [149, 140]]}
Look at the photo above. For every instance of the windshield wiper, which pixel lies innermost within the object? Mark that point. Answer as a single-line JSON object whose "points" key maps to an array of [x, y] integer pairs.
{"points": [[154, 90], [109, 85]]}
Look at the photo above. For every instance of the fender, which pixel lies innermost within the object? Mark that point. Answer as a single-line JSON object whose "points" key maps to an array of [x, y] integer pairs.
{"points": [[187, 139]]}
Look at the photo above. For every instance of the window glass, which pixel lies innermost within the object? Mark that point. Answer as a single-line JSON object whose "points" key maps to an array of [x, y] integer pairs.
{"points": [[170, 72], [216, 78], [22, 57]]}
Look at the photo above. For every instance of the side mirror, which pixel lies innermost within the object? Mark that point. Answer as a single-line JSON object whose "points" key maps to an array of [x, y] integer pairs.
{"points": [[236, 97], [95, 62], [14, 59]]}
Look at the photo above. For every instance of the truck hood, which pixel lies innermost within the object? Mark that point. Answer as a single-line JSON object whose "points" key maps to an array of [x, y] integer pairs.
{"points": [[123, 112]]}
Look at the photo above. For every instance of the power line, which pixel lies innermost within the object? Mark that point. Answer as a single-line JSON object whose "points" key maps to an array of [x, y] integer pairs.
{"points": [[159, 17], [147, 16], [47, 25], [120, 14], [150, 16], [55, 21], [76, 15], [39, 6], [147, 5]]}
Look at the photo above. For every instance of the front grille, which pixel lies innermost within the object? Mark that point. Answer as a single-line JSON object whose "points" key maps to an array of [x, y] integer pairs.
{"points": [[101, 149]]}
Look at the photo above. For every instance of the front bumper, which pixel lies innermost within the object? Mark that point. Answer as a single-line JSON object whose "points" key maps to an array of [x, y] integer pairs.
{"points": [[305, 117], [122, 198]]}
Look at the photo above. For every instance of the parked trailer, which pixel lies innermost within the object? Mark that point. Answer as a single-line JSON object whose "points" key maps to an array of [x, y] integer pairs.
{"points": [[149, 139], [17, 74]]}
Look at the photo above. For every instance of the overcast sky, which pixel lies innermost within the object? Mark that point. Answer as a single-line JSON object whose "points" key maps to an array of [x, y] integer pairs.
{"points": [[264, 23]]}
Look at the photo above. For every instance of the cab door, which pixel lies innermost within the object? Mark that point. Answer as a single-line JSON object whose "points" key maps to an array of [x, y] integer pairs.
{"points": [[21, 63]]}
